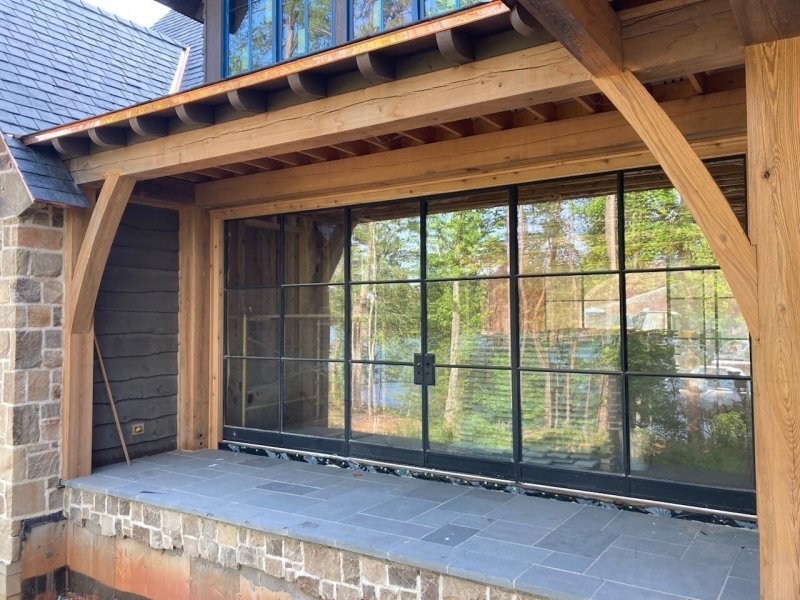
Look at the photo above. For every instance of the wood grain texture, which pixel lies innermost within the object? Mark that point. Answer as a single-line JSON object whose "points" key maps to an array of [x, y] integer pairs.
{"points": [[767, 20], [604, 135], [76, 409], [194, 316], [731, 247], [216, 274], [694, 38], [589, 29], [96, 245], [773, 161]]}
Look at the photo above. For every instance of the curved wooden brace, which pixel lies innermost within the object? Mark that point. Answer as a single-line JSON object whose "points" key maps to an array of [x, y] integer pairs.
{"points": [[376, 68], [307, 85], [108, 137], [149, 126], [94, 251], [455, 46], [247, 101], [195, 114], [694, 183], [524, 23], [71, 146]]}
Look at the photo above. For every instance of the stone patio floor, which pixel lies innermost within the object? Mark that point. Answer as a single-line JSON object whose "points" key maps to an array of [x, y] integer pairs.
{"points": [[543, 546]]}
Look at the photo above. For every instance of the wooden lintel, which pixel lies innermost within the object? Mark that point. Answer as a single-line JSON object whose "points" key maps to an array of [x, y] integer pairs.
{"points": [[456, 46], [767, 20], [196, 115], [604, 135], [149, 126], [308, 85], [691, 178], [69, 147], [109, 137], [375, 67], [773, 180], [589, 29], [102, 228], [248, 101]]}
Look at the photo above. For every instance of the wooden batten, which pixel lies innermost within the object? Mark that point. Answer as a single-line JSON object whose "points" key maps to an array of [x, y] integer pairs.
{"points": [[710, 209], [193, 332], [216, 286], [773, 160], [91, 262]]}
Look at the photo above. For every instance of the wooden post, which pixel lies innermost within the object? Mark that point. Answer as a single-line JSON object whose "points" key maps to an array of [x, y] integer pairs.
{"points": [[773, 163], [193, 329], [76, 411], [216, 286]]}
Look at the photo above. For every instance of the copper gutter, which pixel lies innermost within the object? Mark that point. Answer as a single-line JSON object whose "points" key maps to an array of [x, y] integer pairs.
{"points": [[267, 74]]}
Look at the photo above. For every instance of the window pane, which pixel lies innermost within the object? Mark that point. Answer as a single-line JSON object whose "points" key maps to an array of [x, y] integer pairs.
{"points": [[252, 393], [238, 37], [464, 241], [397, 13], [385, 243], [468, 322], [572, 420], [470, 412], [314, 247], [569, 322], [263, 51], [386, 321], [387, 406], [568, 225], [314, 398], [692, 430], [437, 7], [306, 26], [253, 322], [252, 252], [685, 321], [659, 229], [314, 322]]}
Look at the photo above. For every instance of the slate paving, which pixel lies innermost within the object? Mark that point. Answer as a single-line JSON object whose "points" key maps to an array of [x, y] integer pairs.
{"points": [[553, 548]]}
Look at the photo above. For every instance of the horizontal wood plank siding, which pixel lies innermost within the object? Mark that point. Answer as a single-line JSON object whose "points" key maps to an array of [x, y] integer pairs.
{"points": [[136, 322]]}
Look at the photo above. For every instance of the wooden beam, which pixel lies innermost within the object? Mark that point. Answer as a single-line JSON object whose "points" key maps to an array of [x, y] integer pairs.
{"points": [[76, 401], [589, 29], [698, 81], [700, 37], [767, 20], [193, 332], [94, 251], [691, 178], [773, 165], [603, 135]]}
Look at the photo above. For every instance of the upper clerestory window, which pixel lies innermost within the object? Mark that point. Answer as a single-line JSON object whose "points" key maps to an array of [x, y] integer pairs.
{"points": [[263, 32]]}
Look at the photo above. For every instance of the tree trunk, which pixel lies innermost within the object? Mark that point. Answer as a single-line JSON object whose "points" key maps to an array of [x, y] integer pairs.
{"points": [[452, 402]]}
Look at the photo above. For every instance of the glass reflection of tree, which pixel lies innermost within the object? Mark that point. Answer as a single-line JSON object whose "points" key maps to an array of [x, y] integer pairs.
{"points": [[373, 16], [306, 26]]}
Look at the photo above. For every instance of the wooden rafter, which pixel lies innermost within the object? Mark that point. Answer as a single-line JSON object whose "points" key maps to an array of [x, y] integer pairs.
{"points": [[589, 29], [94, 251], [698, 189]]}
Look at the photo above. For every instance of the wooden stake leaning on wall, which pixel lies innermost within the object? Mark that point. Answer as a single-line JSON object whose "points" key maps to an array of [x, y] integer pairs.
{"points": [[111, 400]]}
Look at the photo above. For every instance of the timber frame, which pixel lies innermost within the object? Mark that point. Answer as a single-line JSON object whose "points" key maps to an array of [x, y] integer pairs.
{"points": [[543, 89]]}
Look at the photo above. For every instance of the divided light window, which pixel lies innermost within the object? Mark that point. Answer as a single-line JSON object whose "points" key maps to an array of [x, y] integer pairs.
{"points": [[262, 32], [579, 332]]}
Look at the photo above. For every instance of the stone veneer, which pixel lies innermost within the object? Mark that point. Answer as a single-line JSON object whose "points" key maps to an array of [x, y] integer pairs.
{"points": [[311, 570], [31, 290]]}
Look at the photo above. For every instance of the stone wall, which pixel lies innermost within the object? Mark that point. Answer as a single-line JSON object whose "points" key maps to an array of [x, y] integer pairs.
{"points": [[274, 566], [31, 290]]}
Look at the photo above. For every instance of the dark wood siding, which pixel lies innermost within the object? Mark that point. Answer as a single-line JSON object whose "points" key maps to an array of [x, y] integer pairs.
{"points": [[136, 322]]}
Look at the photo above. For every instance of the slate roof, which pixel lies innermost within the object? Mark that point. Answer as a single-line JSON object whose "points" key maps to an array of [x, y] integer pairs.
{"points": [[188, 32], [65, 60]]}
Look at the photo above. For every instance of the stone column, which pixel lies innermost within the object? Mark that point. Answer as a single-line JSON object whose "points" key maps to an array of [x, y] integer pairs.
{"points": [[31, 290]]}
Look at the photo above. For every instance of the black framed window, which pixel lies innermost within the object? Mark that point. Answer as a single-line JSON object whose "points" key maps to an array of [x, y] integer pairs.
{"points": [[574, 332], [263, 32]]}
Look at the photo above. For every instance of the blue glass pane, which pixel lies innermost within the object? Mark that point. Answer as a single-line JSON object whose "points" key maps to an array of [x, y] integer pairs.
{"points": [[307, 26], [437, 7], [262, 47], [366, 17], [320, 25], [397, 13], [238, 37]]}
